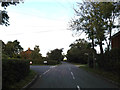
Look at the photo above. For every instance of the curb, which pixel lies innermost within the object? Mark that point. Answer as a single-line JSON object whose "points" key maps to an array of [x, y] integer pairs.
{"points": [[102, 77], [30, 83]]}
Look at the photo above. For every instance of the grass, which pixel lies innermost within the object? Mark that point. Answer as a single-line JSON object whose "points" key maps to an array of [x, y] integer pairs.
{"points": [[25, 81], [78, 64], [108, 75]]}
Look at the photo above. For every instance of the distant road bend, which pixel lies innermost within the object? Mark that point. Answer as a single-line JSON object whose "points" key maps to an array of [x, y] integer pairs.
{"points": [[68, 76]]}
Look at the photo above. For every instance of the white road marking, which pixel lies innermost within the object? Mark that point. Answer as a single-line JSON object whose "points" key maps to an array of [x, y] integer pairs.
{"points": [[78, 87], [46, 71], [52, 66], [72, 75]]}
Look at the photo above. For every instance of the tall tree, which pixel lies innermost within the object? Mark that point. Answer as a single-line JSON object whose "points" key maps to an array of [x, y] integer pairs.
{"points": [[36, 53], [17, 47], [12, 49], [110, 11], [55, 54], [78, 50], [93, 20]]}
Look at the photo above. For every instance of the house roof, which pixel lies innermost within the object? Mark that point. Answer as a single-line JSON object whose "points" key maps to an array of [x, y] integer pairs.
{"points": [[115, 35]]}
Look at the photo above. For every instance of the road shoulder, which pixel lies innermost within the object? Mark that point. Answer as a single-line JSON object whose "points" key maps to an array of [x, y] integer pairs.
{"points": [[32, 82], [98, 75]]}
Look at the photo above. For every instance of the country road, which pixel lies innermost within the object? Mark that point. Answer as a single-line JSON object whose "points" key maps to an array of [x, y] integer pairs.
{"points": [[67, 75]]}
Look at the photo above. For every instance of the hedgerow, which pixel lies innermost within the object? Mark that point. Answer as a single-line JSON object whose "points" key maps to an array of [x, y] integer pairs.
{"points": [[110, 61], [13, 71]]}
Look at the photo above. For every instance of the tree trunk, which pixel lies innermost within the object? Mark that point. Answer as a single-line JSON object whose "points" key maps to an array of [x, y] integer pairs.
{"points": [[110, 37], [93, 43], [101, 48], [110, 31]]}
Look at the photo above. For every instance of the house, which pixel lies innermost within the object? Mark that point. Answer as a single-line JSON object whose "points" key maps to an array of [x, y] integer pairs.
{"points": [[29, 51], [115, 40], [26, 54]]}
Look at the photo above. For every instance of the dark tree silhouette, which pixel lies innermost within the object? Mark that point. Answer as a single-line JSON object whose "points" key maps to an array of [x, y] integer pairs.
{"points": [[4, 15]]}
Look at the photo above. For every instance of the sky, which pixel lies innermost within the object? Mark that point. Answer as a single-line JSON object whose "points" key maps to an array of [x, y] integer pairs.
{"points": [[41, 22]]}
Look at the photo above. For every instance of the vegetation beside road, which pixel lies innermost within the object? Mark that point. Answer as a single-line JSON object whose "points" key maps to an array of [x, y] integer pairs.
{"points": [[16, 63], [106, 65], [49, 62], [13, 50], [24, 81], [13, 71], [97, 21], [16, 74]]}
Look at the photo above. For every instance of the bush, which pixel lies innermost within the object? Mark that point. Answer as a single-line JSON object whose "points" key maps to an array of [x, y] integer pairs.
{"points": [[77, 57], [110, 61], [52, 62], [37, 62], [41, 62], [13, 71]]}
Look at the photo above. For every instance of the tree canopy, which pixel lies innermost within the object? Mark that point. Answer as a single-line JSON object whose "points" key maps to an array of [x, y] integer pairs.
{"points": [[55, 54], [78, 50], [11, 49], [36, 53], [96, 19]]}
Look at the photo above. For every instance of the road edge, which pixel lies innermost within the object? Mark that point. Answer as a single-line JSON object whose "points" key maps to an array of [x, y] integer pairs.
{"points": [[32, 82], [102, 77]]}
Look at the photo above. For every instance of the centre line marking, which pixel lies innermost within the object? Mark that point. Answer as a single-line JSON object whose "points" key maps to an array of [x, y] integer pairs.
{"points": [[78, 87], [72, 75], [46, 71]]}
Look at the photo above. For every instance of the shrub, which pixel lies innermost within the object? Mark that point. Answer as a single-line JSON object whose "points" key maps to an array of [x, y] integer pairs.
{"points": [[52, 62], [41, 62], [110, 61], [13, 71], [37, 62]]}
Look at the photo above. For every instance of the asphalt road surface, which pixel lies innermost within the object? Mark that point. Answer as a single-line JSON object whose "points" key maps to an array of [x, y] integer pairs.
{"points": [[67, 75]]}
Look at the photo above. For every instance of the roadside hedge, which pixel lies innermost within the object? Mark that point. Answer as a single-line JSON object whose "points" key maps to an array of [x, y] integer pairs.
{"points": [[41, 62], [110, 61], [52, 62], [13, 71]]}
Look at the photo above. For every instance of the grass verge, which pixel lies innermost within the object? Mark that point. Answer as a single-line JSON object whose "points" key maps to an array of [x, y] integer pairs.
{"points": [[25, 81], [108, 75], [77, 64]]}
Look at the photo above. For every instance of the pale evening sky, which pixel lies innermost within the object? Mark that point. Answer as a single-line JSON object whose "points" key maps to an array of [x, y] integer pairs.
{"points": [[41, 22]]}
